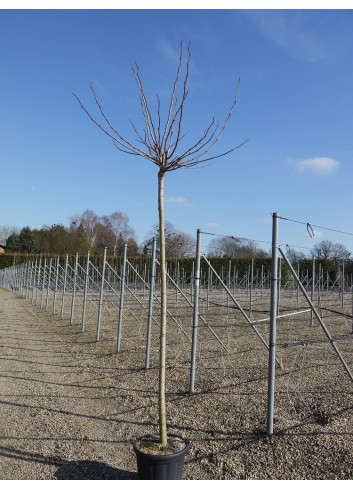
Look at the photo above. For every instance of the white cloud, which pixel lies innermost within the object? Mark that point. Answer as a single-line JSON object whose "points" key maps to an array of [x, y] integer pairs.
{"points": [[318, 234], [169, 51], [323, 166], [292, 31], [213, 224], [175, 200]]}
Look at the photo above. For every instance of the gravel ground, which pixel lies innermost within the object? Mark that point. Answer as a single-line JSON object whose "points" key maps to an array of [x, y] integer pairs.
{"points": [[70, 407]]}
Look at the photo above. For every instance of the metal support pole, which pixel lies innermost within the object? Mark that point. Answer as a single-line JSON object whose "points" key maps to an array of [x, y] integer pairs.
{"points": [[251, 285], [312, 291], [101, 295], [24, 277], [74, 291], [343, 284], [352, 307], [48, 286], [229, 282], [319, 288], [192, 279], [279, 284], [177, 282], [43, 283], [273, 325], [121, 305], [85, 294], [64, 287], [56, 283], [209, 278], [38, 279], [30, 281], [150, 304], [196, 311]]}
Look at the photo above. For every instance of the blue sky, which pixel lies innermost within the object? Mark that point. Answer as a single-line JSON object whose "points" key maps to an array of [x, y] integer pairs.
{"points": [[295, 105]]}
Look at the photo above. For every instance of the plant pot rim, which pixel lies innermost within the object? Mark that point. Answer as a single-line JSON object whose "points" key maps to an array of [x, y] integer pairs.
{"points": [[161, 456]]}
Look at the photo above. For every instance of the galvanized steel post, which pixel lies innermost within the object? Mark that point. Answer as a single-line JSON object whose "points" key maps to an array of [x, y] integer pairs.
{"points": [[74, 291], [56, 282], [30, 282], [43, 283], [229, 282], [312, 291], [64, 287], [121, 305], [101, 295], [251, 285], [196, 311], [150, 304], [279, 283], [343, 284], [38, 279], [85, 293], [48, 285], [273, 326], [352, 307]]}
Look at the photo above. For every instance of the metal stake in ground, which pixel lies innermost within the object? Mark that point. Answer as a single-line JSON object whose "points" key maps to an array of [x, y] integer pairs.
{"points": [[85, 294], [196, 311], [273, 325], [150, 303], [101, 295], [121, 304]]}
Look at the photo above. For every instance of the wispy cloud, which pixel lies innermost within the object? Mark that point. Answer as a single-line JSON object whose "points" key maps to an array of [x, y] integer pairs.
{"points": [[213, 224], [169, 51], [175, 200], [322, 166], [292, 31]]}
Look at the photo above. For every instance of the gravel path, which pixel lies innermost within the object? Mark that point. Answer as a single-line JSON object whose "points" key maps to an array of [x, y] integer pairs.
{"points": [[70, 407]]}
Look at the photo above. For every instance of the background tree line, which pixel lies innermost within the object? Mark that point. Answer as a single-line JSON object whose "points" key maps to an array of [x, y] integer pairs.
{"points": [[88, 231]]}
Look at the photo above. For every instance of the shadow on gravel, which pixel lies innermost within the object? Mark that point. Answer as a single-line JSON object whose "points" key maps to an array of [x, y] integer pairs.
{"points": [[90, 470]]}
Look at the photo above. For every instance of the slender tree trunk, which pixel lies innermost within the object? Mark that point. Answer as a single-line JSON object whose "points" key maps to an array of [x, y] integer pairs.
{"points": [[162, 352]]}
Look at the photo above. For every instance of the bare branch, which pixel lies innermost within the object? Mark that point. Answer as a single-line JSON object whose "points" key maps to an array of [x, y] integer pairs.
{"points": [[192, 162], [132, 149], [173, 94], [110, 125], [146, 110], [196, 158], [161, 149], [197, 146], [185, 94]]}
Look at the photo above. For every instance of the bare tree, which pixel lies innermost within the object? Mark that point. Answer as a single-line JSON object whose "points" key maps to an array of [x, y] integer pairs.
{"points": [[328, 250], [294, 256], [340, 252], [159, 143], [231, 247], [177, 243], [119, 231], [89, 221]]}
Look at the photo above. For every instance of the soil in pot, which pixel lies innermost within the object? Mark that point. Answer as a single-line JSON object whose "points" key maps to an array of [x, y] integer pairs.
{"points": [[155, 462]]}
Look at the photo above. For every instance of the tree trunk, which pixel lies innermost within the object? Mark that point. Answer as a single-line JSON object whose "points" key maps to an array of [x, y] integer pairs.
{"points": [[162, 348]]}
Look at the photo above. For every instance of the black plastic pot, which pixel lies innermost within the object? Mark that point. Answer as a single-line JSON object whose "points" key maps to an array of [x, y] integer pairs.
{"points": [[160, 467]]}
